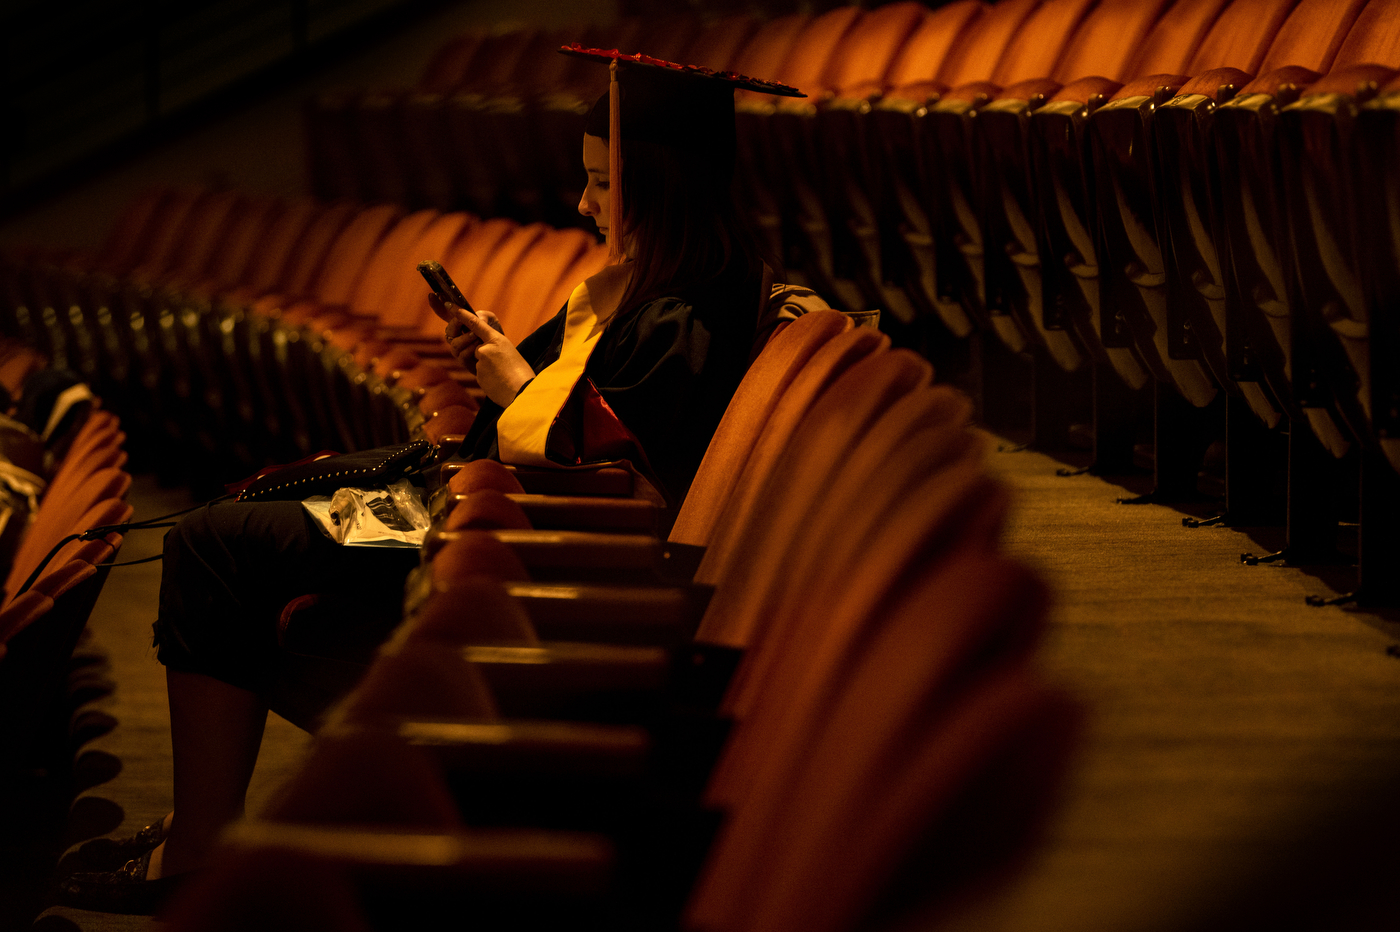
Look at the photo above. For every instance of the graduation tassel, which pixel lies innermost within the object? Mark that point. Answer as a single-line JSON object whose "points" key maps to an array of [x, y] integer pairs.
{"points": [[615, 250]]}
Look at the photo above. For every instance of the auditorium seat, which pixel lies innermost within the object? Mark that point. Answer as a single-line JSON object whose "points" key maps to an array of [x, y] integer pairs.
{"points": [[1094, 62], [764, 55], [1010, 625], [1318, 182], [1068, 197], [388, 299], [1309, 39], [837, 803], [1033, 45], [58, 518], [1239, 34], [275, 349], [43, 623], [805, 142], [869, 159], [772, 373]]}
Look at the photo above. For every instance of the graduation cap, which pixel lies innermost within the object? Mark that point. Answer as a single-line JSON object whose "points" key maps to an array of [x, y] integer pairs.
{"points": [[684, 107]]}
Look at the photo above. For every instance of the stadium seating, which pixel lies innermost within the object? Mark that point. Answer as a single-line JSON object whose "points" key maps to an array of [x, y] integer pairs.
{"points": [[1189, 207]]}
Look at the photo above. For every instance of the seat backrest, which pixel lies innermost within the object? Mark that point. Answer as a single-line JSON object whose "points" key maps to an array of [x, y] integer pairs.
{"points": [[100, 432], [721, 41], [404, 299], [205, 233], [383, 273], [915, 485], [589, 263], [814, 55], [1168, 48], [763, 55], [758, 394], [1106, 42], [498, 276], [469, 254], [169, 233], [1312, 35], [870, 49], [1241, 36], [926, 718], [928, 49], [130, 236], [728, 540], [62, 575], [97, 501], [229, 267], [292, 258], [1374, 38], [756, 582], [22, 612], [347, 259], [986, 45], [451, 62], [538, 276], [1041, 41]]}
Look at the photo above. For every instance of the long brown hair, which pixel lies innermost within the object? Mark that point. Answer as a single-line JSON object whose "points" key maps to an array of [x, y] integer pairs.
{"points": [[681, 219]]}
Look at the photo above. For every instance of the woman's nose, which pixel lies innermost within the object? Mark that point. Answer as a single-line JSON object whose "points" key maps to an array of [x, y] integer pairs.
{"points": [[586, 205]]}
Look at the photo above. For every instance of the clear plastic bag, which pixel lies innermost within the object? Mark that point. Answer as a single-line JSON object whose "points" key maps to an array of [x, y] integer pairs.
{"points": [[385, 517]]}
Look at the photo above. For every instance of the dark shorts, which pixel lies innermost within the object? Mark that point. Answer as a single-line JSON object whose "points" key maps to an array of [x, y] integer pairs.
{"points": [[230, 569]]}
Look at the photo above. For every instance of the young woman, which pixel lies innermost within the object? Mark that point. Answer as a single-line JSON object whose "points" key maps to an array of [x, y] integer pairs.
{"points": [[640, 364]]}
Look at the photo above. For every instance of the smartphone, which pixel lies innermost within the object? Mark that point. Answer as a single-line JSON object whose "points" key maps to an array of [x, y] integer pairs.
{"points": [[442, 284]]}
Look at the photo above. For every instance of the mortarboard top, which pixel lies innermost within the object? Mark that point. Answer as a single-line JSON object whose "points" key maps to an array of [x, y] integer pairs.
{"points": [[681, 106]]}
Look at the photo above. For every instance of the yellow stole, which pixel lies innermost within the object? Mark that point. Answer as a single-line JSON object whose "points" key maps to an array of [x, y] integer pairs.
{"points": [[522, 432]]}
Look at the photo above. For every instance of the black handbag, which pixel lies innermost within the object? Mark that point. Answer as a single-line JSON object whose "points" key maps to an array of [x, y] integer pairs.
{"points": [[365, 469]]}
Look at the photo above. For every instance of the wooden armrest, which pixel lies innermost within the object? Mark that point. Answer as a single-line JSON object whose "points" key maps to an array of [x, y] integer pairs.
{"points": [[567, 749], [588, 513], [1155, 86], [1085, 90], [460, 862], [1219, 84], [609, 480], [568, 550], [664, 616], [567, 680]]}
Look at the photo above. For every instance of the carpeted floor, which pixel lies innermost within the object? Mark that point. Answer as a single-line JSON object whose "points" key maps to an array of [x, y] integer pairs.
{"points": [[1240, 764]]}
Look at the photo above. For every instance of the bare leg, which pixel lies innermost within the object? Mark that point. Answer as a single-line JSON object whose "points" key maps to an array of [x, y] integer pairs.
{"points": [[215, 731]]}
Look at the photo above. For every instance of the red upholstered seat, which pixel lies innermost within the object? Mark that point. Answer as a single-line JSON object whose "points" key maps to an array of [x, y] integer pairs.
{"points": [[96, 501], [1243, 130], [765, 384], [819, 142]]}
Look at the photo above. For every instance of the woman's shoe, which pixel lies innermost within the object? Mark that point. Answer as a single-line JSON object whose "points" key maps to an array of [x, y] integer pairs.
{"points": [[109, 854], [121, 891]]}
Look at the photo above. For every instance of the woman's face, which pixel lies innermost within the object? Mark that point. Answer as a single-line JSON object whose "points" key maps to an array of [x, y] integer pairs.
{"points": [[594, 202]]}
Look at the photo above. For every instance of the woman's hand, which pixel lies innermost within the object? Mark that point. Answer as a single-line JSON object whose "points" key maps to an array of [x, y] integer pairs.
{"points": [[480, 346]]}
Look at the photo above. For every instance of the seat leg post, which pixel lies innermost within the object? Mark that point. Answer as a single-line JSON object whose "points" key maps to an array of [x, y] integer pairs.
{"points": [[1312, 507], [1181, 433], [1057, 403], [1378, 576], [1116, 416], [1256, 469]]}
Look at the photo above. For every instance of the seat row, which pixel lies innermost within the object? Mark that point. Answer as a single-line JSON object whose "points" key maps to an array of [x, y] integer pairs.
{"points": [[50, 588], [233, 331], [1169, 208], [843, 688]]}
